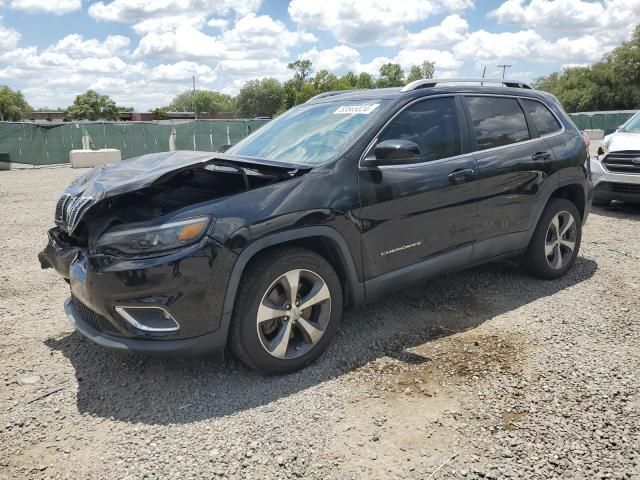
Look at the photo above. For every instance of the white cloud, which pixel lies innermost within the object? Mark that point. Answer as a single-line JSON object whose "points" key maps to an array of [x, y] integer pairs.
{"points": [[57, 7], [75, 46], [182, 72], [133, 11], [361, 22], [452, 29], [169, 23], [9, 37], [219, 23], [443, 59], [368, 22], [610, 20], [486, 47], [338, 58], [252, 37]]}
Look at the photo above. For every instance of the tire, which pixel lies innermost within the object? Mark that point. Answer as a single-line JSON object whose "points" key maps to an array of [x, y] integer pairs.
{"points": [[549, 257], [263, 310], [600, 202]]}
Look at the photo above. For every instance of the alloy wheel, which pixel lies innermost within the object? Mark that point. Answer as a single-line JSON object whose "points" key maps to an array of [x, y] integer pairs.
{"points": [[560, 241], [293, 314]]}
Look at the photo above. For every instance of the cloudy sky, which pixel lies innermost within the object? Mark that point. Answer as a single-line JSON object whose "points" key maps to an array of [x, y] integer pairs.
{"points": [[143, 52]]}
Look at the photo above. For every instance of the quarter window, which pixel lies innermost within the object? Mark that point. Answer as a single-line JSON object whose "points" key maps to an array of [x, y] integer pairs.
{"points": [[497, 121], [543, 119], [431, 124]]}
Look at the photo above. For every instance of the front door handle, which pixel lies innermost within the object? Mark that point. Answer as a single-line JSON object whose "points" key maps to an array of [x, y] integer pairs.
{"points": [[539, 156], [461, 175]]}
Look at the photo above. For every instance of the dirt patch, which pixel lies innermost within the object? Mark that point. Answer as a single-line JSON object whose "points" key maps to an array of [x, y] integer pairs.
{"points": [[511, 420], [468, 356]]}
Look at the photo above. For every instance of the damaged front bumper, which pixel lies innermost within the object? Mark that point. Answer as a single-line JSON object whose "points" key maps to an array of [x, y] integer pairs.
{"points": [[107, 292]]}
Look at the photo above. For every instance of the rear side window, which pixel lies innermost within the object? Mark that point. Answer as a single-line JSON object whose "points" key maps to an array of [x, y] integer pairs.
{"points": [[543, 119], [431, 124], [497, 121]]}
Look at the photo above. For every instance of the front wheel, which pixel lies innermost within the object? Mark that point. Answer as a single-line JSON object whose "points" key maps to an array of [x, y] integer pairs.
{"points": [[556, 240], [287, 310]]}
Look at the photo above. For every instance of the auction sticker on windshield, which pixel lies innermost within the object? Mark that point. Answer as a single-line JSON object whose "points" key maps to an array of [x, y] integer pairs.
{"points": [[363, 109]]}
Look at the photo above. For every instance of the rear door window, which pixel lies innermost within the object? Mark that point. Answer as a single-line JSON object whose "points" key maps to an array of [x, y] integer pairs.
{"points": [[432, 124], [543, 119], [497, 121]]}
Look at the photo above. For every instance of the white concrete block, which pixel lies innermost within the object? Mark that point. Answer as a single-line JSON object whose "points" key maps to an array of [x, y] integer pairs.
{"points": [[93, 158], [595, 134]]}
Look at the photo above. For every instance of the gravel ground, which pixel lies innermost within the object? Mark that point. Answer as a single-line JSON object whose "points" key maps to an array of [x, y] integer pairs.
{"points": [[481, 374]]}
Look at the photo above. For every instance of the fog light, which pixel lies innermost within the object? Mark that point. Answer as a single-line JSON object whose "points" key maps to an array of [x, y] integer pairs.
{"points": [[149, 319]]}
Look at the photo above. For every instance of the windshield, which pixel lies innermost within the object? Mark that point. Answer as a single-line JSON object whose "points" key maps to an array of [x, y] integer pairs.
{"points": [[310, 134], [632, 125]]}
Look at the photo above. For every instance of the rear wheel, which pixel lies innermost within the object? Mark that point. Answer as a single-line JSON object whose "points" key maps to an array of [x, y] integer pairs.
{"points": [[287, 310], [556, 240]]}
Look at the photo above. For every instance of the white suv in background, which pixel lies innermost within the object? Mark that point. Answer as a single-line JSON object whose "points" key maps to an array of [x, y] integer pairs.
{"points": [[616, 169]]}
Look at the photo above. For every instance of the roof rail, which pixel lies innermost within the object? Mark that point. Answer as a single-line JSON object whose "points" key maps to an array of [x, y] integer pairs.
{"points": [[432, 82], [328, 94]]}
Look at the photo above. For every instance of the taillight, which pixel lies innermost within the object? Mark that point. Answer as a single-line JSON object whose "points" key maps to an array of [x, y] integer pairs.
{"points": [[586, 139]]}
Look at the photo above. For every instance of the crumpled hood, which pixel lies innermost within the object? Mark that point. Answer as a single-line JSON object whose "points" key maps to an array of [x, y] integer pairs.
{"points": [[620, 141], [109, 181], [140, 172]]}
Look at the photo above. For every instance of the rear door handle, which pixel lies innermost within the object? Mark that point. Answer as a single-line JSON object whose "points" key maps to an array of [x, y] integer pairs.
{"points": [[461, 175], [538, 156]]}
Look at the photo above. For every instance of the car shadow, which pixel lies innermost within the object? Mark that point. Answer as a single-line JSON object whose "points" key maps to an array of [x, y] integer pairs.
{"points": [[152, 390], [620, 210]]}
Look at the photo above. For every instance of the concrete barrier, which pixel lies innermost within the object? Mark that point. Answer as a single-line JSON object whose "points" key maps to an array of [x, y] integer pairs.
{"points": [[5, 163], [595, 134], [93, 158]]}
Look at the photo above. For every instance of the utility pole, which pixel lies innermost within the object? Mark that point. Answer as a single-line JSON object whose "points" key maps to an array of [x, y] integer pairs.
{"points": [[504, 69], [484, 72], [195, 111]]}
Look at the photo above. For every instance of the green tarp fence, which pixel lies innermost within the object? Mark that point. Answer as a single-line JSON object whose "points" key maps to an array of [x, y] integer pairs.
{"points": [[45, 144], [607, 121]]}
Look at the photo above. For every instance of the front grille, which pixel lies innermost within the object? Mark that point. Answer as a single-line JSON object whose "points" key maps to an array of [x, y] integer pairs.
{"points": [[60, 207], [625, 188], [68, 210], [623, 162], [92, 318]]}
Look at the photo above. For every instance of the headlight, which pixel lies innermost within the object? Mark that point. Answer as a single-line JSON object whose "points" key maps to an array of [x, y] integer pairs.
{"points": [[154, 238]]}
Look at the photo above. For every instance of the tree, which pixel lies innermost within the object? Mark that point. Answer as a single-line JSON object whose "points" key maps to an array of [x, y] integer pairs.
{"points": [[13, 106], [160, 113], [365, 80], [348, 81], [306, 92], [93, 106], [424, 70], [391, 75], [202, 102], [302, 70], [612, 84], [324, 81], [260, 98]]}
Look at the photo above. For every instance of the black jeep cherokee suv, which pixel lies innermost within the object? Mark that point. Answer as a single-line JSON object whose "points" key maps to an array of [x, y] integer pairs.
{"points": [[339, 200]]}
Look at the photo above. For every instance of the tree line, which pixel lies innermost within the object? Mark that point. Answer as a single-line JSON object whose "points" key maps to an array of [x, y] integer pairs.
{"points": [[257, 98], [611, 84]]}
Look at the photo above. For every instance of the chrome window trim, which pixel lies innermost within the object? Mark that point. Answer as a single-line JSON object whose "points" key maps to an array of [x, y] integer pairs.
{"points": [[524, 142], [375, 139], [122, 311], [555, 132], [462, 94]]}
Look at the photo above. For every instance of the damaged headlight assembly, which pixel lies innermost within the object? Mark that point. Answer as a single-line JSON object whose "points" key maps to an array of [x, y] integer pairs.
{"points": [[154, 238]]}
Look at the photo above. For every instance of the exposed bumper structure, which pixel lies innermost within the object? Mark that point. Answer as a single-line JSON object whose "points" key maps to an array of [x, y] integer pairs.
{"points": [[170, 304]]}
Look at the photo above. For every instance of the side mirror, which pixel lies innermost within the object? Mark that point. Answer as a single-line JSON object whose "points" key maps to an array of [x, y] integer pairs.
{"points": [[394, 152]]}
